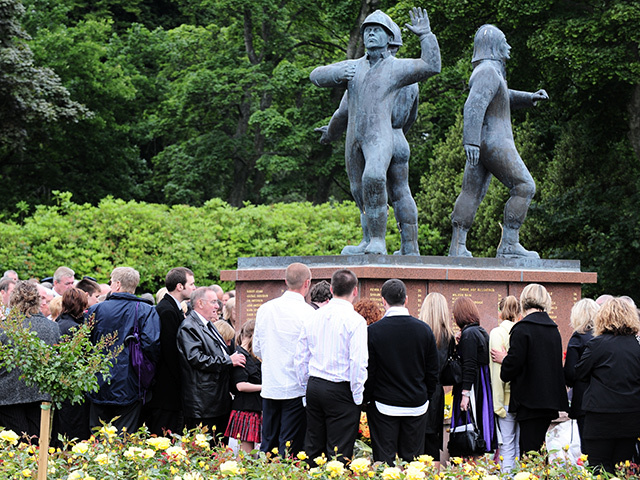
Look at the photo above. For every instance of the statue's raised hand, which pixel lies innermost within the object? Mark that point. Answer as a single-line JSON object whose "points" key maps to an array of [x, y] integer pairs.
{"points": [[419, 21]]}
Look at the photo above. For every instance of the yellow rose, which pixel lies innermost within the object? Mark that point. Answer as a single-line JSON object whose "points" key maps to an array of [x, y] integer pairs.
{"points": [[360, 465], [108, 431], [201, 440], [320, 460], [417, 465], [102, 458], [192, 476], [229, 468], [391, 473], [9, 436], [147, 453], [315, 472], [522, 476], [26, 472], [335, 467], [176, 453], [426, 459], [412, 473], [274, 450], [456, 460], [159, 443], [76, 475], [302, 456], [80, 448]]}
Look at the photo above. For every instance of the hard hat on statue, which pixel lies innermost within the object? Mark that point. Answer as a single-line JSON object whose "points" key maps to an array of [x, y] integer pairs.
{"points": [[488, 44], [380, 18], [396, 41]]}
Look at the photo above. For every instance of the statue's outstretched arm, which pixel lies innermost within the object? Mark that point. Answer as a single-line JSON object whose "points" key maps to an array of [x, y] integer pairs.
{"points": [[518, 99], [335, 74], [429, 63]]}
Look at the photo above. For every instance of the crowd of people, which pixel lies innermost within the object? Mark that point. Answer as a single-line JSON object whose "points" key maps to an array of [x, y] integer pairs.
{"points": [[299, 376]]}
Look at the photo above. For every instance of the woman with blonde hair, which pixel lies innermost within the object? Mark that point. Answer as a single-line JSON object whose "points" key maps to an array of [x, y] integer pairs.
{"points": [[435, 313], [534, 368], [20, 404], [509, 314], [610, 364], [583, 314]]}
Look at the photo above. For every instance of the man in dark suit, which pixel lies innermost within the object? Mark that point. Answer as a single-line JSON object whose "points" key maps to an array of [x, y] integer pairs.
{"points": [[403, 371], [205, 365], [164, 409]]}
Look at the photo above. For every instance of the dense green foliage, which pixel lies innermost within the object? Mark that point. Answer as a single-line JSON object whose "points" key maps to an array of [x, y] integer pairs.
{"points": [[153, 238], [192, 101]]}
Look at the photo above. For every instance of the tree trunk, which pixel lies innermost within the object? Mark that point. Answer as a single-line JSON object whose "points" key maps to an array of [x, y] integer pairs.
{"points": [[43, 454], [634, 121]]}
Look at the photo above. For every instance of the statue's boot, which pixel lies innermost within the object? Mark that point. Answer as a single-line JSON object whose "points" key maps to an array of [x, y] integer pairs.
{"points": [[360, 248], [377, 228], [510, 245], [408, 239], [458, 246]]}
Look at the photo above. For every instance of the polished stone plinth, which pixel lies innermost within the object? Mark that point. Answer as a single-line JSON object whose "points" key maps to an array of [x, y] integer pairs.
{"points": [[485, 280]]}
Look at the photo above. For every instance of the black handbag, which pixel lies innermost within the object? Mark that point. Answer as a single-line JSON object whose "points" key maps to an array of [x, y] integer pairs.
{"points": [[451, 373], [467, 442]]}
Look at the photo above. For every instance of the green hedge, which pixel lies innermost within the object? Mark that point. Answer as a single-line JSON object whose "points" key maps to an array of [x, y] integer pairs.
{"points": [[153, 238]]}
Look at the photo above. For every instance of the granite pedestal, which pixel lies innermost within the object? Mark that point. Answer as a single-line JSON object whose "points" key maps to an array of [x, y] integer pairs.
{"points": [[485, 280]]}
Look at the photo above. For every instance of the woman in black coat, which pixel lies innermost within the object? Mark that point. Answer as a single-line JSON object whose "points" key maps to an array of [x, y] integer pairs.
{"points": [[474, 393], [583, 314], [611, 364], [533, 365], [435, 313], [72, 421]]}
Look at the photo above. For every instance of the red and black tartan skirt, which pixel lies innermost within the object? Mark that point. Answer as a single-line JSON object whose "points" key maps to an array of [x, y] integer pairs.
{"points": [[246, 426]]}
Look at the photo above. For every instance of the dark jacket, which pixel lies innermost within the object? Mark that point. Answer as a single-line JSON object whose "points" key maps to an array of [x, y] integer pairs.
{"points": [[611, 365], [473, 349], [66, 322], [403, 362], [118, 314], [206, 370], [534, 365], [575, 349], [167, 390], [251, 373], [14, 391]]}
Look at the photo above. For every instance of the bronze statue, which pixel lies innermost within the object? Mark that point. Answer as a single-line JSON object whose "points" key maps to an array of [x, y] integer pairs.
{"points": [[489, 146], [380, 109]]}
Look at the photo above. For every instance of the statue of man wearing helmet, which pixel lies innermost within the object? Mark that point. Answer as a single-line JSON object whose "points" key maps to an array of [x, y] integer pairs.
{"points": [[489, 146], [379, 107]]}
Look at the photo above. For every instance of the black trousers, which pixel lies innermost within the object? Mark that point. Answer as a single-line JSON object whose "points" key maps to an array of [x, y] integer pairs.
{"points": [[283, 421], [158, 420], [533, 433], [332, 419], [22, 418], [128, 416], [391, 436], [605, 453]]}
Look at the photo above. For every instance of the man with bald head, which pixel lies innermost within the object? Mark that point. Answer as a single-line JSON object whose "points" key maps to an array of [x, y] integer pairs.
{"points": [[278, 326]]}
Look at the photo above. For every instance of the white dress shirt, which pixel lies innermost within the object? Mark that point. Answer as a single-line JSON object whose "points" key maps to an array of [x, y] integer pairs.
{"points": [[333, 346], [278, 326]]}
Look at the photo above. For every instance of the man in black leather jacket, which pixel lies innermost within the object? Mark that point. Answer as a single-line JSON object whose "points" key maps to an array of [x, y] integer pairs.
{"points": [[205, 365]]}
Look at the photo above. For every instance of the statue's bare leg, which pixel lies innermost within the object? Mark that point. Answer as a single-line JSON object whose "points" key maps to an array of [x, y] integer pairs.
{"points": [[404, 206], [374, 192], [508, 167], [354, 161], [475, 183]]}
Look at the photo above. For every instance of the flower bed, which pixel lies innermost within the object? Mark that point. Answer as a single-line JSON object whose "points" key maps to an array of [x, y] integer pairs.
{"points": [[109, 456]]}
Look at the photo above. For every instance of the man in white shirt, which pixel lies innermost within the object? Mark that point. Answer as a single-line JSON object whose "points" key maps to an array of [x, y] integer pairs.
{"points": [[278, 326], [331, 362]]}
